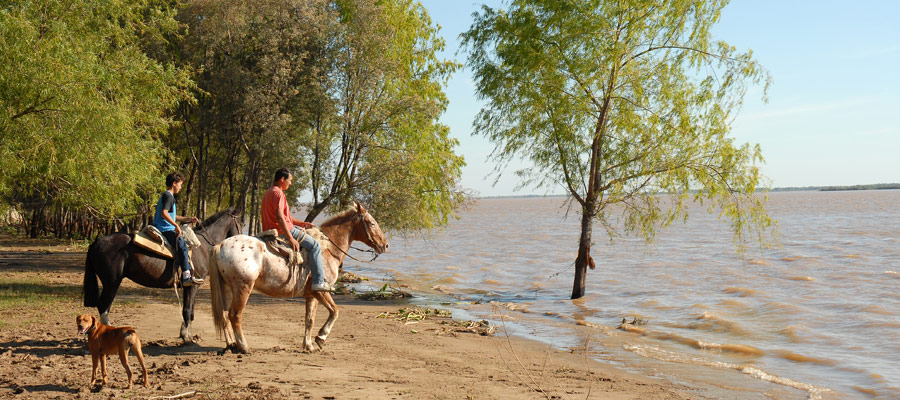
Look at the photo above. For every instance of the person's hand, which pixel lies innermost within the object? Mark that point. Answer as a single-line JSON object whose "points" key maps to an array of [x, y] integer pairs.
{"points": [[177, 230], [294, 243], [195, 220], [306, 225]]}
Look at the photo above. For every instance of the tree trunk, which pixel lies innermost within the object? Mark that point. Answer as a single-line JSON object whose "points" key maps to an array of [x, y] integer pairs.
{"points": [[584, 259]]}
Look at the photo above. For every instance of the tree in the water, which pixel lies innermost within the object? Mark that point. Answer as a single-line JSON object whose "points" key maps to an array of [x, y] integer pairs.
{"points": [[626, 104]]}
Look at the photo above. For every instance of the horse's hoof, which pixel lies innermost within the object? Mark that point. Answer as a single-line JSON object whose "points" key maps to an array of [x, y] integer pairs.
{"points": [[321, 343]]}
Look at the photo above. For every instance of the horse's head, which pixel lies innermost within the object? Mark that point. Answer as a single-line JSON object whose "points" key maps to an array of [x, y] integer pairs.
{"points": [[223, 224], [368, 231], [235, 228]]}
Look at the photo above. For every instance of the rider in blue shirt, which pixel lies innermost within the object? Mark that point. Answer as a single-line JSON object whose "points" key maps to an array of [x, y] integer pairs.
{"points": [[165, 219]]}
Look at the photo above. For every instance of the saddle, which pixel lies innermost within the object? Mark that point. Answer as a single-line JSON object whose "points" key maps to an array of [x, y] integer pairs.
{"points": [[151, 238], [279, 246]]}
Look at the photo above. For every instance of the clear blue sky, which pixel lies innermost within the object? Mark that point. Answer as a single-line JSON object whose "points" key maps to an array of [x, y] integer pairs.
{"points": [[833, 116]]}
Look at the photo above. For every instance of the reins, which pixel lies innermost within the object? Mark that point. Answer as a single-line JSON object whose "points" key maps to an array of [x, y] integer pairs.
{"points": [[354, 248]]}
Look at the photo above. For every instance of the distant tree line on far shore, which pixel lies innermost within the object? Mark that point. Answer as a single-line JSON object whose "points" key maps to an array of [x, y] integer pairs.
{"points": [[874, 186]]}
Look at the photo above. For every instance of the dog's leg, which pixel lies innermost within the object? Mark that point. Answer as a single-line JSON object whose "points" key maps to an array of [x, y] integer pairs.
{"points": [[136, 349], [103, 368], [95, 364], [123, 357]]}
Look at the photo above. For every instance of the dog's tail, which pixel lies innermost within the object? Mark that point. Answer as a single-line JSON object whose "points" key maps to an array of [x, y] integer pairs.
{"points": [[216, 288], [90, 289]]}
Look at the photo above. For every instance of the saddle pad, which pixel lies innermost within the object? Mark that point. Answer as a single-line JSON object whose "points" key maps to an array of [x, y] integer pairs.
{"points": [[145, 241]]}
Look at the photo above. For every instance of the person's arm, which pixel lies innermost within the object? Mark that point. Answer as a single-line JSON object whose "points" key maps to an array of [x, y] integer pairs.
{"points": [[180, 218], [282, 222], [302, 224], [165, 215]]}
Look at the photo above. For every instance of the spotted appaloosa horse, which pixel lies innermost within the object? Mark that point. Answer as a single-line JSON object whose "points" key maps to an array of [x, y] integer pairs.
{"points": [[242, 263]]}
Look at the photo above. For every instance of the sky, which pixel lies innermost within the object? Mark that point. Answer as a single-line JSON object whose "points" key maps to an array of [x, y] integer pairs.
{"points": [[833, 115]]}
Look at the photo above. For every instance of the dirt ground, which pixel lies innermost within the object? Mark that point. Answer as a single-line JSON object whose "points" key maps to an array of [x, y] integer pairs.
{"points": [[367, 356]]}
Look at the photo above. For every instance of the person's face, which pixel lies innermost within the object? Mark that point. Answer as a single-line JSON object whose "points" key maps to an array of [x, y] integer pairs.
{"points": [[176, 187], [285, 183]]}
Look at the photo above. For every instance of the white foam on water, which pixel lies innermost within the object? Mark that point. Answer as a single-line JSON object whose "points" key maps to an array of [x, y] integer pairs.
{"points": [[651, 351]]}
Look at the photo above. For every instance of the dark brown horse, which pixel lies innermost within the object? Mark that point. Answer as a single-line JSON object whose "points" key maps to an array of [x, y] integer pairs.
{"points": [[113, 258]]}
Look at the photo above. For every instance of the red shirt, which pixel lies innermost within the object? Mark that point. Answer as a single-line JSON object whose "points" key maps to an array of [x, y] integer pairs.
{"points": [[274, 202]]}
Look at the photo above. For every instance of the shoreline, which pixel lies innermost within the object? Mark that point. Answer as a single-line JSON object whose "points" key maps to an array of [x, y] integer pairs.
{"points": [[368, 355]]}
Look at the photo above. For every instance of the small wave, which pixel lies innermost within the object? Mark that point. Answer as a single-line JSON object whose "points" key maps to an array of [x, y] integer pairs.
{"points": [[793, 333], [650, 351], [702, 345], [491, 282], [792, 258], [733, 348], [713, 323], [743, 292], [451, 267], [876, 309], [512, 306], [758, 262], [801, 278], [787, 355], [869, 392]]}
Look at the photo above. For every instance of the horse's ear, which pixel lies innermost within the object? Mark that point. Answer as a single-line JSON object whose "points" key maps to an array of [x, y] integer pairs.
{"points": [[360, 209]]}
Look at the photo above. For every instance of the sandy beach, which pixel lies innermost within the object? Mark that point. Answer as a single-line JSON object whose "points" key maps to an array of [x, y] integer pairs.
{"points": [[369, 355]]}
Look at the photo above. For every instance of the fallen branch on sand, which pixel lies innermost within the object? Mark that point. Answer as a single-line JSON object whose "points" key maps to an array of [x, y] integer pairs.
{"points": [[177, 396]]}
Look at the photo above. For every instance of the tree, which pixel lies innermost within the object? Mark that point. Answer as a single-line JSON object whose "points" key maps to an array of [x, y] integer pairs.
{"points": [[374, 135], [623, 103], [82, 107], [255, 62]]}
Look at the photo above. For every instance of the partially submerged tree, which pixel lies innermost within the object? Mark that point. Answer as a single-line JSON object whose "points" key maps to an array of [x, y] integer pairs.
{"points": [[624, 103]]}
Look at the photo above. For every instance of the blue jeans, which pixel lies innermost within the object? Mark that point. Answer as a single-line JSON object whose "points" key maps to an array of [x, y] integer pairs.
{"points": [[181, 249], [317, 274]]}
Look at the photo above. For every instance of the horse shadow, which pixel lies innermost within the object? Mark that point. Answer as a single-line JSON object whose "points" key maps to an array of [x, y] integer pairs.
{"points": [[45, 348], [173, 347]]}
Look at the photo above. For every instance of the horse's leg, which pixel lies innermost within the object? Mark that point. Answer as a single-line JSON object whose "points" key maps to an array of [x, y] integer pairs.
{"points": [[187, 313], [311, 307], [235, 315], [332, 308], [106, 298], [229, 329]]}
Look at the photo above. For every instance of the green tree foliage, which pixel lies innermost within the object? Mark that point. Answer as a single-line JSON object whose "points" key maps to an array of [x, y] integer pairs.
{"points": [[623, 103], [256, 61], [81, 106], [375, 135]]}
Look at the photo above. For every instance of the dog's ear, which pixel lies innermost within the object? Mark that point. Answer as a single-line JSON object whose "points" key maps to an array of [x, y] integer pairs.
{"points": [[93, 320]]}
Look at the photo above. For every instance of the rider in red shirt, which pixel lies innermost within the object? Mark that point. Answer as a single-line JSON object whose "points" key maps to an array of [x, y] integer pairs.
{"points": [[277, 215]]}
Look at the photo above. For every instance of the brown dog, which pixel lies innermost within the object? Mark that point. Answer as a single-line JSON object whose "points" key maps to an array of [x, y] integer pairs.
{"points": [[105, 339]]}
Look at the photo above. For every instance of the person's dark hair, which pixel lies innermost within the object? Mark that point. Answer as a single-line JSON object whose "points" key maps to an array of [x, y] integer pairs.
{"points": [[281, 173], [173, 178]]}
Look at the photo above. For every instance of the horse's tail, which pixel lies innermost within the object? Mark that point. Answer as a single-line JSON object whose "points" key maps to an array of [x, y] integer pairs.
{"points": [[90, 289], [216, 287]]}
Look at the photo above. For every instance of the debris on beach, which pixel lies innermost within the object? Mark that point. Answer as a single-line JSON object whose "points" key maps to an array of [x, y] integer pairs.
{"points": [[387, 292], [416, 314]]}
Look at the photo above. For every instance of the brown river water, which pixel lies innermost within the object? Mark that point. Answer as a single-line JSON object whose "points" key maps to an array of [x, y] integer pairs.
{"points": [[816, 317]]}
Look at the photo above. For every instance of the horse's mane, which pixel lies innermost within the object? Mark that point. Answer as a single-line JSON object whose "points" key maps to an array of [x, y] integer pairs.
{"points": [[211, 220], [338, 219]]}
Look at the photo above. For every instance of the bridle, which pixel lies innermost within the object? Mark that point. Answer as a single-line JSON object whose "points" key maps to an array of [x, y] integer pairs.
{"points": [[368, 236], [203, 234]]}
